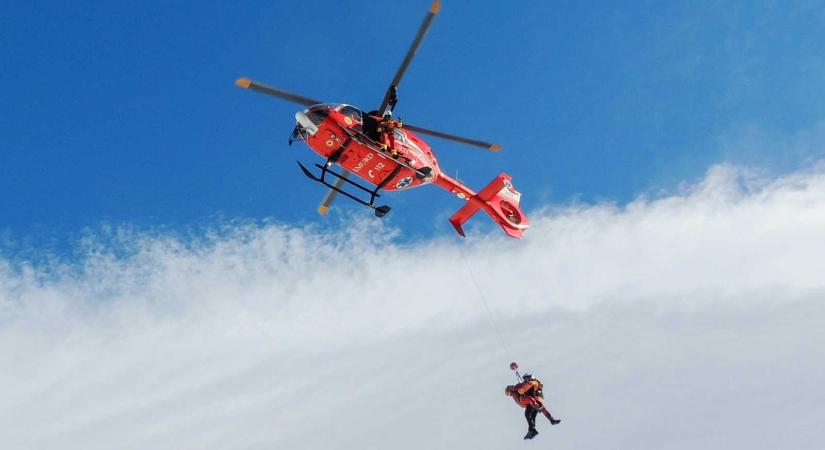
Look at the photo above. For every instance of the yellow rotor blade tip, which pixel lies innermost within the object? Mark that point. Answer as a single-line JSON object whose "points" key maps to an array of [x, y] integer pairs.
{"points": [[495, 147], [323, 210], [243, 82], [436, 7]]}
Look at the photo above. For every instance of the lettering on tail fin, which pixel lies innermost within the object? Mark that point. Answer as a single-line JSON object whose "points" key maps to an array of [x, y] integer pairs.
{"points": [[508, 191]]}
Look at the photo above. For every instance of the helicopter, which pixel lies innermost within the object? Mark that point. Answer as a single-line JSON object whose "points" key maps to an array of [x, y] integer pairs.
{"points": [[387, 154]]}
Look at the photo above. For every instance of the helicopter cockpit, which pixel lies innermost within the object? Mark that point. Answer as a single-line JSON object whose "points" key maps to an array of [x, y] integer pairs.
{"points": [[352, 112], [310, 118]]}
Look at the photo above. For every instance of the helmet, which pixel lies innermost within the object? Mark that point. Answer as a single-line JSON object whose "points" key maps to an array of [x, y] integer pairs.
{"points": [[509, 389], [527, 376]]}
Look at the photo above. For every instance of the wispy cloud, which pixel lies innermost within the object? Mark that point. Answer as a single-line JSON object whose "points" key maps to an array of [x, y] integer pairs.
{"points": [[672, 322]]}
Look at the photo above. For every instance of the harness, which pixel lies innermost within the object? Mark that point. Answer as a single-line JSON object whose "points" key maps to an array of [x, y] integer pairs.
{"points": [[535, 391]]}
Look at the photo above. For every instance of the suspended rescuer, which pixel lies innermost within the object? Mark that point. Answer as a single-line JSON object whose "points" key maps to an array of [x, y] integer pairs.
{"points": [[528, 394]]}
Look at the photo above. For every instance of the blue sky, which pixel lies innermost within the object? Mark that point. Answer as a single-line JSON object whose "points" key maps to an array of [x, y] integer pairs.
{"points": [[126, 113]]}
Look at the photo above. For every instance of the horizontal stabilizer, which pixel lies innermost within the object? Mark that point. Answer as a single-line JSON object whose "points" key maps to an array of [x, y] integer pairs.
{"points": [[500, 200]]}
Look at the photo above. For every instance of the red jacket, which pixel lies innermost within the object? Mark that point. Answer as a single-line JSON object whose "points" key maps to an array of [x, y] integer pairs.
{"points": [[520, 394], [526, 386]]}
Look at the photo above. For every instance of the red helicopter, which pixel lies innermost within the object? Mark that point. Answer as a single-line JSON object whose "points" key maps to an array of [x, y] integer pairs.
{"points": [[388, 154]]}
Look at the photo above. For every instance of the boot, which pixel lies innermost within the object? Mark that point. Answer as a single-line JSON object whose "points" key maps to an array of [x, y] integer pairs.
{"points": [[531, 433], [549, 417]]}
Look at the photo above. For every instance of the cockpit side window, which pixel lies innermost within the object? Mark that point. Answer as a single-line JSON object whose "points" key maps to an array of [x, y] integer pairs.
{"points": [[351, 112]]}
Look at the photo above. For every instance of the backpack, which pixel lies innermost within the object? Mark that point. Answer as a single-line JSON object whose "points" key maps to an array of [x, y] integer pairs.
{"points": [[536, 391]]}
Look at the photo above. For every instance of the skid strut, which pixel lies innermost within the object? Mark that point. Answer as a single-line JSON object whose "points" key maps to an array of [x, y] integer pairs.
{"points": [[380, 211]]}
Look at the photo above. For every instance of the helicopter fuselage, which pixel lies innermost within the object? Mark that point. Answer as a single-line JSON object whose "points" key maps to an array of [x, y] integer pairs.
{"points": [[338, 134]]}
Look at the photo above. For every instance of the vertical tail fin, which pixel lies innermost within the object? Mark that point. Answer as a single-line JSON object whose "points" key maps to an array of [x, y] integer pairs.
{"points": [[500, 200]]}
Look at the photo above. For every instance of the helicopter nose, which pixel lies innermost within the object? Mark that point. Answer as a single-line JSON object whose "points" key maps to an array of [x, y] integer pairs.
{"points": [[306, 123]]}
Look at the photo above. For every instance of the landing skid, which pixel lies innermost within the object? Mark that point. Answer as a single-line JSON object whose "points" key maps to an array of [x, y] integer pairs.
{"points": [[380, 211]]}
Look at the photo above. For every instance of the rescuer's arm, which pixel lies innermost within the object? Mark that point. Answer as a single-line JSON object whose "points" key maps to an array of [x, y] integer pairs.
{"points": [[524, 387]]}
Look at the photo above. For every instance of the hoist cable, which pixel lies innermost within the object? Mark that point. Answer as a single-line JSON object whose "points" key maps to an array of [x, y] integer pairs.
{"points": [[490, 315]]}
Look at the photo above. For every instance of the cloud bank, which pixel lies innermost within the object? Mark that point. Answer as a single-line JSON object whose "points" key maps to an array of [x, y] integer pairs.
{"points": [[683, 321]]}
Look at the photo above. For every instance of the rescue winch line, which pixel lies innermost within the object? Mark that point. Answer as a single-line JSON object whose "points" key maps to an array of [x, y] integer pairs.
{"points": [[490, 315]]}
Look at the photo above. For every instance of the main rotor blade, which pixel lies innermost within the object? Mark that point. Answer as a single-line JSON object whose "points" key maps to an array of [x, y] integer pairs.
{"points": [[425, 25], [280, 93], [323, 208], [452, 137]]}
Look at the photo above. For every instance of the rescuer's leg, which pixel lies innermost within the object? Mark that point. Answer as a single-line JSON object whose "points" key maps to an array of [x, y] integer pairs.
{"points": [[530, 414]]}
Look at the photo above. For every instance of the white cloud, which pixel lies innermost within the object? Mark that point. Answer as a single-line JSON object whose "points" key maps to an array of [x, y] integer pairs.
{"points": [[690, 321]]}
